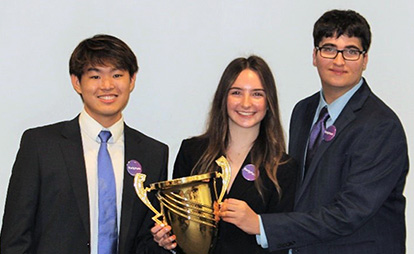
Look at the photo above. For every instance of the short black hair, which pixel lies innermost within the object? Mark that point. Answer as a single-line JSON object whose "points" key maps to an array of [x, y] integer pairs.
{"points": [[102, 49], [342, 22]]}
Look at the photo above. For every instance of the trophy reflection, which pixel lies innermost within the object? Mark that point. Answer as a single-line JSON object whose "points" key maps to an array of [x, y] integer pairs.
{"points": [[190, 206]]}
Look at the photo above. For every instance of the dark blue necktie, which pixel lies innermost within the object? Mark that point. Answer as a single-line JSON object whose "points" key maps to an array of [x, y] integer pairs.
{"points": [[107, 225], [316, 136]]}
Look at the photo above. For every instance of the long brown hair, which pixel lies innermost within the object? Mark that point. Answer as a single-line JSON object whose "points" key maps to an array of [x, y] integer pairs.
{"points": [[268, 148]]}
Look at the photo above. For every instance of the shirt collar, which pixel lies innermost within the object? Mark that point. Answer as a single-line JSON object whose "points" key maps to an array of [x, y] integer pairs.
{"points": [[92, 128], [336, 107]]}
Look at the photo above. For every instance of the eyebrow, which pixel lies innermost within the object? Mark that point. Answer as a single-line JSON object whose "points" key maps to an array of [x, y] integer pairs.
{"points": [[333, 45], [93, 69], [98, 70], [238, 88]]}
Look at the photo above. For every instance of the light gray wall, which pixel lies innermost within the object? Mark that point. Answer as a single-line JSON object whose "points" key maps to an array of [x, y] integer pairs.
{"points": [[182, 48]]}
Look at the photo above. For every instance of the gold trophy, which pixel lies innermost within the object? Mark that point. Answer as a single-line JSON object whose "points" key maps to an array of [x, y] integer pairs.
{"points": [[190, 206]]}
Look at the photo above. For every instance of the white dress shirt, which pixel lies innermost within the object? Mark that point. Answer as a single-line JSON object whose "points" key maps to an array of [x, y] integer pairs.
{"points": [[90, 130]]}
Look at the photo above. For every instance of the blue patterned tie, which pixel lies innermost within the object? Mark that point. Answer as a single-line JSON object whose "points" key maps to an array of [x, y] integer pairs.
{"points": [[108, 230], [316, 135]]}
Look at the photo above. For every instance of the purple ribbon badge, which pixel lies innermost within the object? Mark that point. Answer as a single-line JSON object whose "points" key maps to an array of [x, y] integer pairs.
{"points": [[329, 133], [249, 172], [134, 167]]}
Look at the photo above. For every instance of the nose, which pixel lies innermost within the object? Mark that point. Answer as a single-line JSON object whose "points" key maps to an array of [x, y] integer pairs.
{"points": [[339, 59], [246, 101], [107, 83]]}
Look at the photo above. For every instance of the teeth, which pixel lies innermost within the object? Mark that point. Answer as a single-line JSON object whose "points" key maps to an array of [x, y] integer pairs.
{"points": [[246, 113], [108, 97]]}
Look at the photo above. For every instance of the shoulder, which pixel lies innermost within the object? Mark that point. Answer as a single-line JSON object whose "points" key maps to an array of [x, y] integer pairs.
{"points": [[366, 119], [375, 114], [364, 103], [188, 155], [192, 149], [288, 167], [304, 103], [134, 134], [378, 109], [49, 131], [194, 144]]}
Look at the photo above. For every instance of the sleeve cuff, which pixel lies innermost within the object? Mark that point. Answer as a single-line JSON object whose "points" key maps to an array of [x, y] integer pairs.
{"points": [[262, 239]]}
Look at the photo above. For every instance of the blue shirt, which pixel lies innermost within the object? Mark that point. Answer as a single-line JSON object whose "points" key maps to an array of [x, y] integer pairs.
{"points": [[336, 107]]}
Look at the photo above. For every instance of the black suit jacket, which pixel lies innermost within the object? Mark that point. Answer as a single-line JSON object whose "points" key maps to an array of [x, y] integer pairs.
{"points": [[47, 207], [231, 239], [351, 200]]}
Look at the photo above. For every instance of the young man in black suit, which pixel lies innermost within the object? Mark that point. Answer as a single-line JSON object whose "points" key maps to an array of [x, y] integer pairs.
{"points": [[54, 197]]}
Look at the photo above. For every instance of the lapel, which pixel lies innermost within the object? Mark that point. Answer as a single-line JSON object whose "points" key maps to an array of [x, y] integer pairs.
{"points": [[241, 187], [134, 150], [345, 118], [72, 150], [301, 135]]}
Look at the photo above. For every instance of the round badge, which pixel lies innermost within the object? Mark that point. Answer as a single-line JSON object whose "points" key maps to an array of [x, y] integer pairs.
{"points": [[249, 172], [134, 167], [329, 133]]}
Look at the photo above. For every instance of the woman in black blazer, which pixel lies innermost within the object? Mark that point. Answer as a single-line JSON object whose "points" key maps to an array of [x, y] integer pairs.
{"points": [[244, 125]]}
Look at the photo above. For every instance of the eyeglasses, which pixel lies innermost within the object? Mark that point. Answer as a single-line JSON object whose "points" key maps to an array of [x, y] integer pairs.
{"points": [[350, 54]]}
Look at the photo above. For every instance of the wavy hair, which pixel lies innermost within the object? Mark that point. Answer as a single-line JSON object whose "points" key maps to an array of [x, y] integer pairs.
{"points": [[269, 147]]}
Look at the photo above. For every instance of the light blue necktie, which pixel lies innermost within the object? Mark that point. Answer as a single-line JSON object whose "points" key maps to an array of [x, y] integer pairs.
{"points": [[108, 230]]}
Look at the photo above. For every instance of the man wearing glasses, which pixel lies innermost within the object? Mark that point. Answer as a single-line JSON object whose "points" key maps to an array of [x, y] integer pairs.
{"points": [[353, 154], [352, 151]]}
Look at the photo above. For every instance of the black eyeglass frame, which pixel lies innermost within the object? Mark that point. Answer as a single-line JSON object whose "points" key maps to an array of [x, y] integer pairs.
{"points": [[361, 52]]}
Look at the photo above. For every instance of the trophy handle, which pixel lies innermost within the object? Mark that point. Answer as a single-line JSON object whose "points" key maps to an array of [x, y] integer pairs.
{"points": [[225, 175], [139, 180]]}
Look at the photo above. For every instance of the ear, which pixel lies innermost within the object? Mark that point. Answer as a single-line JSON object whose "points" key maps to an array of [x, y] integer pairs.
{"points": [[132, 82], [314, 57], [76, 83], [365, 61]]}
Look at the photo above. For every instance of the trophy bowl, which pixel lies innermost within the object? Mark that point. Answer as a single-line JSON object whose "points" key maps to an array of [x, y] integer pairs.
{"points": [[190, 206]]}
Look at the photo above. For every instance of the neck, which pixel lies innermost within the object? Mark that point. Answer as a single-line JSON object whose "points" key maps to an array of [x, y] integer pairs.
{"points": [[242, 138], [330, 95], [105, 121]]}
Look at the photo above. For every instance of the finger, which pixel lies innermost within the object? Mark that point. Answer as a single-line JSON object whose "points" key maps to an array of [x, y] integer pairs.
{"points": [[229, 220], [235, 202], [162, 234], [157, 227], [222, 207], [228, 207], [168, 243], [227, 214], [232, 201]]}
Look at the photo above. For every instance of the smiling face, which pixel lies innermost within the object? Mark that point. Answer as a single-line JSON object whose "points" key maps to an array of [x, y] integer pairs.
{"points": [[246, 101], [339, 75], [105, 92]]}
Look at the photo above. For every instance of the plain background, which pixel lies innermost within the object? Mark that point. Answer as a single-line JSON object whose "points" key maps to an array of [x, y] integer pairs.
{"points": [[182, 49]]}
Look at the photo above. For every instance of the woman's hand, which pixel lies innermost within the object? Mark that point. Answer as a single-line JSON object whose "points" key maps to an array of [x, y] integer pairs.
{"points": [[240, 214], [162, 236]]}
